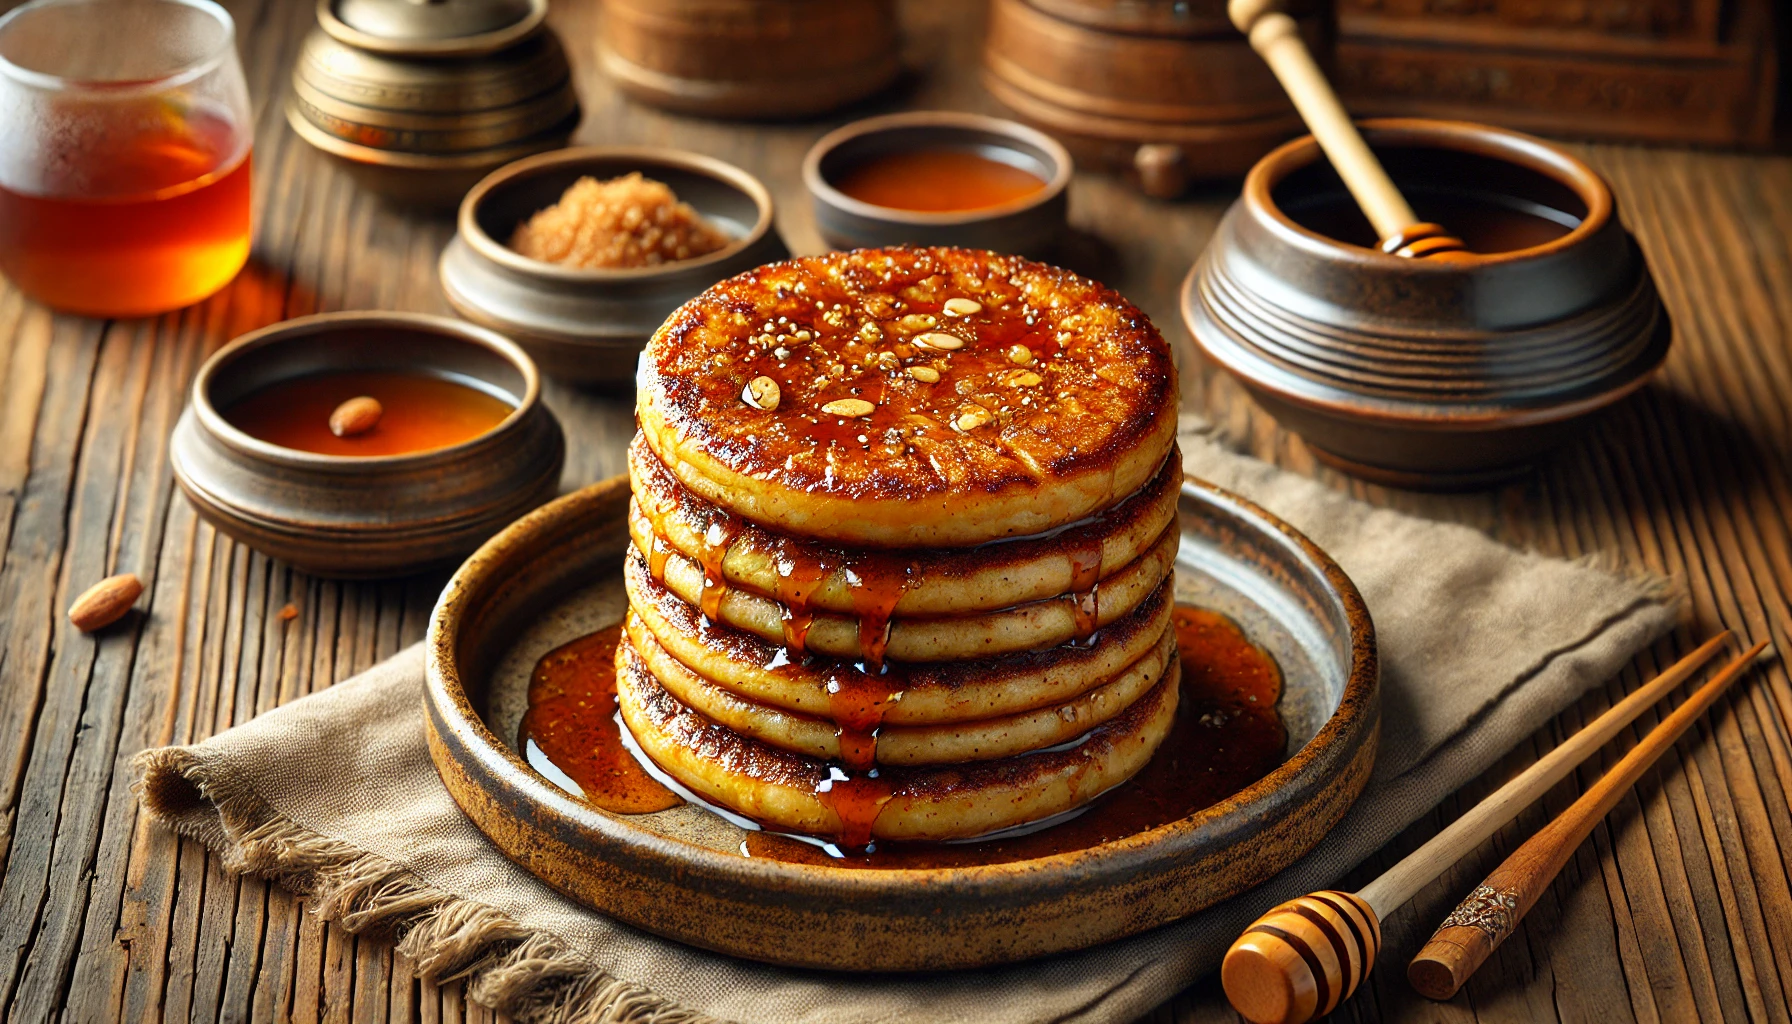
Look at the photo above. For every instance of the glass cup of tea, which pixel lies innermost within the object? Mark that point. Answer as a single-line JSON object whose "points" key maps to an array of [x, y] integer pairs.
{"points": [[124, 170]]}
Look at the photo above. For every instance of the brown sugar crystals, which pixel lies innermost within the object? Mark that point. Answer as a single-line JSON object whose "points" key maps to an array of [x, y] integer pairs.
{"points": [[631, 221]]}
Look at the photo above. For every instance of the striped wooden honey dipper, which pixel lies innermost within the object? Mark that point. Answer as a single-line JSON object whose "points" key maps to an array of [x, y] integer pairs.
{"points": [[1306, 956]]}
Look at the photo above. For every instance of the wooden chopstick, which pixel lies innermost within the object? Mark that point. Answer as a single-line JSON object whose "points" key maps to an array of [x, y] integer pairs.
{"points": [[1477, 927], [1271, 980]]}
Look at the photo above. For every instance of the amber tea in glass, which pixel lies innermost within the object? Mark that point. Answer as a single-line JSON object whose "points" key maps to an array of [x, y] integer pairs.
{"points": [[124, 181]]}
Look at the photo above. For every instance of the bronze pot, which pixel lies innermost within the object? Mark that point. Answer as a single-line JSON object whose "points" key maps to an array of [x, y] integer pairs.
{"points": [[1421, 373], [374, 516], [421, 100]]}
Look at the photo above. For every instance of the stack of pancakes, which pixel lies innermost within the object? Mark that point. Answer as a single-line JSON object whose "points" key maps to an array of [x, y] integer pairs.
{"points": [[904, 525]]}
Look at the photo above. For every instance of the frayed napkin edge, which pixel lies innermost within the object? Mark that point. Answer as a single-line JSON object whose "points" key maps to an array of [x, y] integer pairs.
{"points": [[523, 972]]}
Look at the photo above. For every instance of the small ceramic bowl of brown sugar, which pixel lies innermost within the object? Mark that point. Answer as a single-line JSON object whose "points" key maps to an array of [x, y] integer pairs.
{"points": [[580, 254]]}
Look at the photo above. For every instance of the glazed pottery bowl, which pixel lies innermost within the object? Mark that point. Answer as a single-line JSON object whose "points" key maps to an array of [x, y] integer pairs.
{"points": [[1027, 226], [588, 326], [1419, 373], [360, 517]]}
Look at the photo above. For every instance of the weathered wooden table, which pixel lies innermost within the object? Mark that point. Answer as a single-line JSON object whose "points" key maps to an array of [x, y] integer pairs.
{"points": [[1678, 909]]}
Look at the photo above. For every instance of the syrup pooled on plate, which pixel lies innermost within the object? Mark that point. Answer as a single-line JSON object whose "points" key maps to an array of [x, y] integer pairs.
{"points": [[419, 413], [570, 729], [937, 181], [1227, 735]]}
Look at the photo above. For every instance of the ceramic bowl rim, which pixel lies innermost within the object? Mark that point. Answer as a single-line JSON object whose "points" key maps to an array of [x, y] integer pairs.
{"points": [[1527, 151], [820, 188], [447, 695], [216, 425], [468, 229]]}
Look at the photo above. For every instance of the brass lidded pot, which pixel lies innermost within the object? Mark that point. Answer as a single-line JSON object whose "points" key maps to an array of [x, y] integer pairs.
{"points": [[419, 99]]}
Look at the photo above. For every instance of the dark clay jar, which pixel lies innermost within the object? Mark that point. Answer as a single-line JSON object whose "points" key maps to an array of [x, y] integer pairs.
{"points": [[1425, 373]]}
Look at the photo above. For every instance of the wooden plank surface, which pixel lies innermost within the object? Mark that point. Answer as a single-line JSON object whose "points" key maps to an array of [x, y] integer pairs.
{"points": [[1679, 909]]}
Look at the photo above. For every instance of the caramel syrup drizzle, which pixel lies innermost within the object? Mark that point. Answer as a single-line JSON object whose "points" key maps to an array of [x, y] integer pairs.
{"points": [[1085, 586], [716, 538], [661, 548], [798, 577], [860, 693], [856, 799], [877, 582]]}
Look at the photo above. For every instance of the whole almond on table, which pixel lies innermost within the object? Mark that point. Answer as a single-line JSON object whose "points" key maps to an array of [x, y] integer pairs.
{"points": [[356, 416], [105, 602]]}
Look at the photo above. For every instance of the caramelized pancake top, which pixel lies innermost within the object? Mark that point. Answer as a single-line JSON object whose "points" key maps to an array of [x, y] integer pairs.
{"points": [[909, 397]]}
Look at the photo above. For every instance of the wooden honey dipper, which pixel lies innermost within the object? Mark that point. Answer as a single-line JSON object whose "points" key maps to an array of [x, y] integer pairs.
{"points": [[1477, 927], [1308, 955], [1276, 38]]}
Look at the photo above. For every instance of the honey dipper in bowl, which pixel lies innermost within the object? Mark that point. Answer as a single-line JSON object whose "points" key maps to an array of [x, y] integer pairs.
{"points": [[1276, 38]]}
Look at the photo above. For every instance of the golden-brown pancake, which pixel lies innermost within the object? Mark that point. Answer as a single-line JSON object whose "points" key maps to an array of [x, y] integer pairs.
{"points": [[807, 576], [802, 794], [1027, 627], [981, 740], [909, 397], [765, 673]]}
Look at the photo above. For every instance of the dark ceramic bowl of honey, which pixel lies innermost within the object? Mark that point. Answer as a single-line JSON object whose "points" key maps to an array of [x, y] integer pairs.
{"points": [[588, 326], [939, 178], [461, 445], [1430, 374]]}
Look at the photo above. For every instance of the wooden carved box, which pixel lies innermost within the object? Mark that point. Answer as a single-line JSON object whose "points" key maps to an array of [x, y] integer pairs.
{"points": [[1701, 71]]}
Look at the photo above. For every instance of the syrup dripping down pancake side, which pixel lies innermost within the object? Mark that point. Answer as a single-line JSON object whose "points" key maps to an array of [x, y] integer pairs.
{"points": [[763, 671], [797, 794], [1070, 617], [809, 577], [953, 742]]}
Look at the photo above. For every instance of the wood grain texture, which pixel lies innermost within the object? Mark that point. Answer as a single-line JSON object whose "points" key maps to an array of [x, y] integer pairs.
{"points": [[1487, 917], [1679, 909]]}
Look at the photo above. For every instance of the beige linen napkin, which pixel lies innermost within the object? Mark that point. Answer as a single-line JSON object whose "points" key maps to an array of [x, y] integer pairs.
{"points": [[335, 796]]}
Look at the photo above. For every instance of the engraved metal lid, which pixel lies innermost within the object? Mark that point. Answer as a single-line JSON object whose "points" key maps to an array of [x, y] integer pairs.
{"points": [[430, 28]]}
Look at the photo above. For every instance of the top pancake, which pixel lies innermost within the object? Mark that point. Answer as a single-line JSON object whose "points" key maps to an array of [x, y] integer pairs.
{"points": [[1051, 397]]}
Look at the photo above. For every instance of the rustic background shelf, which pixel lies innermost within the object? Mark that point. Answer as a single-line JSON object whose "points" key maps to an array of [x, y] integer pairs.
{"points": [[1678, 910]]}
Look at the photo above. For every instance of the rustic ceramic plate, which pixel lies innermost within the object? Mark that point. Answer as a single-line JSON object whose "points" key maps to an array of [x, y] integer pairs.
{"points": [[556, 574]]}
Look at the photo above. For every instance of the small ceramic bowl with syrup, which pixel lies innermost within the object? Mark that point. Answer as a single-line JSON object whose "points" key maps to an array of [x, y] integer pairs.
{"points": [[1425, 373], [280, 448], [939, 178], [589, 325]]}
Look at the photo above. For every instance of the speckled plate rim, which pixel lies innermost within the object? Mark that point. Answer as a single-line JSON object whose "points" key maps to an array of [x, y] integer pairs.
{"points": [[533, 822]]}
